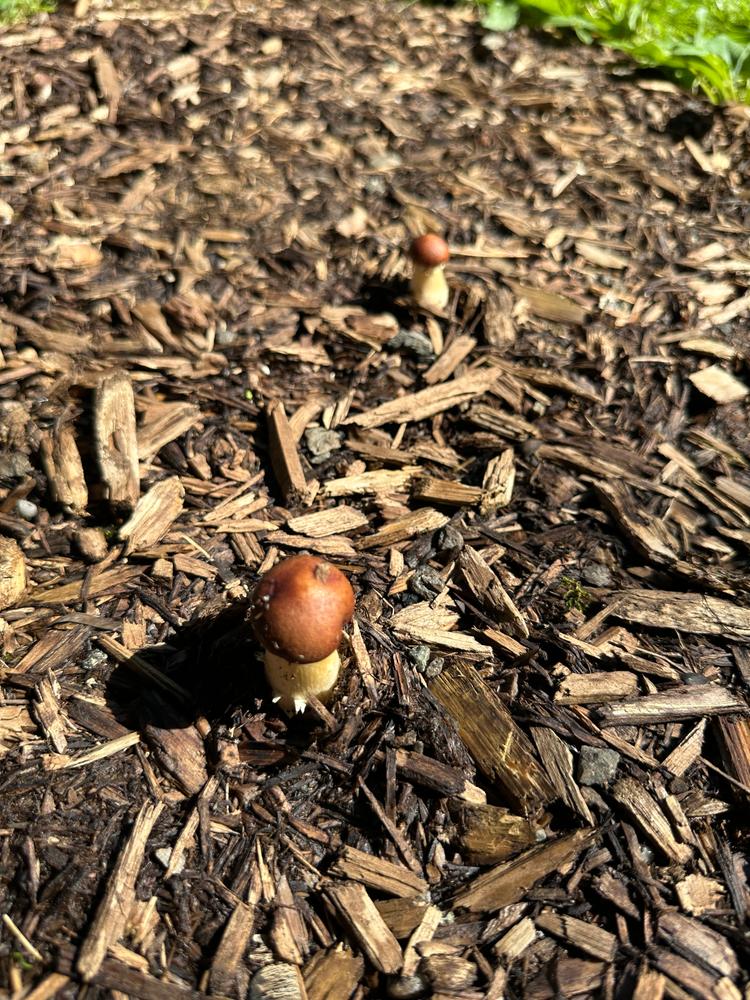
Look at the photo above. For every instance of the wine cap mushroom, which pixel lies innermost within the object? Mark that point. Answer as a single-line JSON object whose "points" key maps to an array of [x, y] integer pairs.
{"points": [[429, 254], [298, 611], [430, 250]]}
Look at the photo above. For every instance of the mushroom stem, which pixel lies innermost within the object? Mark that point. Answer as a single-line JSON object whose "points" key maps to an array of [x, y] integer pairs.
{"points": [[292, 683], [429, 287]]}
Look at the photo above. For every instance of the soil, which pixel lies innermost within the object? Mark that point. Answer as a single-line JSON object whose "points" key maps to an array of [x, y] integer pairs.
{"points": [[531, 779]]}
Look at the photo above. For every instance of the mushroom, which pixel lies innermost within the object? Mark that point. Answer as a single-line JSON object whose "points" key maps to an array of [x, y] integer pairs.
{"points": [[428, 285], [298, 611]]}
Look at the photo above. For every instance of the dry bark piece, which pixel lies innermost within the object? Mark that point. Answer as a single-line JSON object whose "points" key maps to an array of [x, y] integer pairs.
{"points": [[277, 981], [719, 384], [229, 954], [557, 760], [456, 352], [499, 747], [486, 587], [377, 873], [332, 974], [357, 911], [116, 441], [446, 781], [511, 880], [285, 458], [697, 942], [92, 544], [12, 572], [154, 515], [498, 482], [684, 702], [489, 834], [112, 912], [597, 687], [699, 614], [332, 521], [63, 468], [428, 402], [418, 522], [446, 492], [162, 424], [649, 817], [587, 937]]}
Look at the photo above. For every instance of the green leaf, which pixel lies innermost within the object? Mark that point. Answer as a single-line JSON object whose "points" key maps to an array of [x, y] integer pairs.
{"points": [[502, 15]]}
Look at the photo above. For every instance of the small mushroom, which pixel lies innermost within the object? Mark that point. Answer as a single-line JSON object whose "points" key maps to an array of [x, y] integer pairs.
{"points": [[429, 254], [298, 611]]}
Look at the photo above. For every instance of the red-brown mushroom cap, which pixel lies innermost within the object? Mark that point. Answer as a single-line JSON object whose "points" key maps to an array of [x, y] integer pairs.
{"points": [[430, 250], [300, 607]]}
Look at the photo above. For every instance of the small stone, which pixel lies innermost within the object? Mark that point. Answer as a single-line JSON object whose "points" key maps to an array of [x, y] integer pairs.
{"points": [[96, 658], [163, 854], [411, 340], [435, 668], [321, 443], [426, 582], [224, 336], [597, 766], [419, 657], [27, 509], [597, 575], [450, 540]]}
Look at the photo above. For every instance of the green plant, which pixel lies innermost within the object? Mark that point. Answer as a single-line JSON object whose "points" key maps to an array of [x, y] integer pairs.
{"points": [[703, 43], [18, 10], [575, 594]]}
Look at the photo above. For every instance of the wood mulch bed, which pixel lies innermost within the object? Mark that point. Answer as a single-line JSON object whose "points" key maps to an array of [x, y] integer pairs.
{"points": [[533, 777]]}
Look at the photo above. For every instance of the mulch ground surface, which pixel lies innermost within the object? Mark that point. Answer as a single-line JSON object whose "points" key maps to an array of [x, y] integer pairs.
{"points": [[532, 780]]}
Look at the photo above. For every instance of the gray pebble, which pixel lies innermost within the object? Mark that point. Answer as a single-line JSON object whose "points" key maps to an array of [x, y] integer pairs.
{"points": [[411, 340], [597, 766], [321, 443], [26, 509], [419, 657], [597, 575]]}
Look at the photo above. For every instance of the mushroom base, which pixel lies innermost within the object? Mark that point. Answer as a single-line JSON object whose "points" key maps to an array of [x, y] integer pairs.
{"points": [[293, 683], [429, 288]]}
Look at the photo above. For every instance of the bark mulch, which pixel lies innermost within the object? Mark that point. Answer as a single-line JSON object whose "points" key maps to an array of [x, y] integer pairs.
{"points": [[533, 778]]}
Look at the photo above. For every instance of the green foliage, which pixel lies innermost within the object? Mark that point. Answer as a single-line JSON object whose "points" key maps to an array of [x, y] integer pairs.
{"points": [[703, 43], [18, 10], [575, 594]]}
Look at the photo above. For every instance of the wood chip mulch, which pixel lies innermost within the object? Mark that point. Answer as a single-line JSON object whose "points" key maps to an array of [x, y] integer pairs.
{"points": [[533, 778]]}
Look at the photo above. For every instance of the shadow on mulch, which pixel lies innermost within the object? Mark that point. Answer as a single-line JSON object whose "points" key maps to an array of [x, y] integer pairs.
{"points": [[218, 666]]}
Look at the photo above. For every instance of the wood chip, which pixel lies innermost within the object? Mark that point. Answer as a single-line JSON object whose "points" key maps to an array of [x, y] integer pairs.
{"points": [[112, 912], [586, 937], [154, 515], [418, 522], [684, 702], [358, 913], [332, 521], [486, 587], [650, 819], [63, 468], [377, 873], [699, 614], [116, 441], [333, 974], [285, 458], [499, 747], [509, 881], [427, 402], [719, 384], [12, 572], [596, 688], [489, 834]]}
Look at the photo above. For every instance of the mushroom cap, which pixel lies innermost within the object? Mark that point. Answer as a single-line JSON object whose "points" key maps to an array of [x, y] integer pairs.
{"points": [[300, 607], [430, 250]]}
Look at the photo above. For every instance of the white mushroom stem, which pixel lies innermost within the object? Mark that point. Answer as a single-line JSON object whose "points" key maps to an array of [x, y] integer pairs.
{"points": [[429, 287], [293, 683]]}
